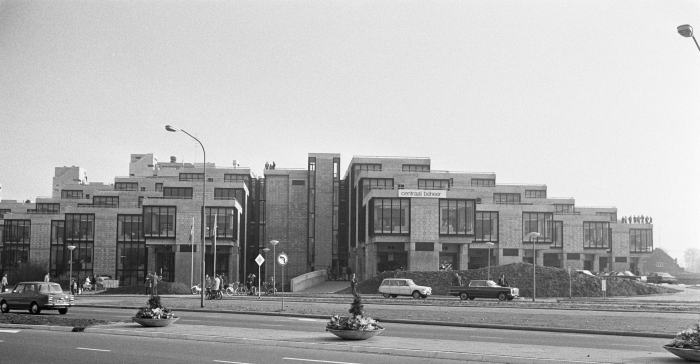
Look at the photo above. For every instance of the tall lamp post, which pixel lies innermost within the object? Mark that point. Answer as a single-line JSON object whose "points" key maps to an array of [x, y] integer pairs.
{"points": [[70, 261], [687, 31], [534, 261], [204, 194], [489, 244], [274, 265]]}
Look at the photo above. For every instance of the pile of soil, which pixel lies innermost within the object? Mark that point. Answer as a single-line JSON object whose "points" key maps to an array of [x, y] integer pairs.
{"points": [[551, 282], [163, 288]]}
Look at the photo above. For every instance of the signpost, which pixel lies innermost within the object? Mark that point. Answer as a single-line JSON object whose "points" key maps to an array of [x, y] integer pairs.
{"points": [[260, 261], [603, 287], [282, 259]]}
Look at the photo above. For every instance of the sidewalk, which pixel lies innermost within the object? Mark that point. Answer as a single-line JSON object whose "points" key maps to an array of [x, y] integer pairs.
{"points": [[464, 351]]}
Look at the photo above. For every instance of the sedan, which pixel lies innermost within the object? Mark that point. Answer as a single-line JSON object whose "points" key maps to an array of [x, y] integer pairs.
{"points": [[36, 296], [661, 277]]}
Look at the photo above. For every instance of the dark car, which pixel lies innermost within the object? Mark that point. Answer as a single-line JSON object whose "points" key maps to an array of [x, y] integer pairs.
{"points": [[36, 296], [661, 277], [484, 289]]}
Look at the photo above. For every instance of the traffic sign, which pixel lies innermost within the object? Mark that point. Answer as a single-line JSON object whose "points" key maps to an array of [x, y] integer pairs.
{"points": [[259, 260], [282, 259]]}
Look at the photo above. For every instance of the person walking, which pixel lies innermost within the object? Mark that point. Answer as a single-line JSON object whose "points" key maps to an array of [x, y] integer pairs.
{"points": [[216, 286], [502, 281], [156, 279], [353, 285], [47, 277], [3, 283], [149, 284], [457, 281]]}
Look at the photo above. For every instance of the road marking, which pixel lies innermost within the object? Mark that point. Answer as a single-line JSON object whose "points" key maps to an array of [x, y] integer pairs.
{"points": [[486, 337], [305, 319], [124, 316], [92, 349], [231, 362], [213, 316], [270, 325], [10, 331], [319, 361], [643, 346], [191, 320]]}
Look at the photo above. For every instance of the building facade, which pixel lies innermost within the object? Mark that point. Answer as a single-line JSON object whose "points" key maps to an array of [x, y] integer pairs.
{"points": [[385, 213]]}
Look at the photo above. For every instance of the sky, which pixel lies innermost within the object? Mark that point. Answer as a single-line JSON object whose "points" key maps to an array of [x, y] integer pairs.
{"points": [[595, 99]]}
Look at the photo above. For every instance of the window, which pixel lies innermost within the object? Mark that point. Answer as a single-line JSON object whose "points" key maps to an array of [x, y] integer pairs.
{"points": [[486, 226], [415, 168], [16, 243], [511, 252], [236, 177], [140, 201], [159, 221], [557, 234], [506, 198], [298, 182], [366, 167], [539, 222], [641, 240], [659, 264], [71, 194], [433, 184], [60, 255], [108, 201], [3, 212], [457, 217], [230, 194], [370, 183], [596, 234], [561, 209], [143, 189], [226, 221], [192, 177], [46, 208], [620, 259], [535, 193], [131, 262], [129, 227], [573, 256], [177, 192], [80, 227], [425, 247], [126, 186], [483, 182], [159, 187], [390, 216], [611, 215]]}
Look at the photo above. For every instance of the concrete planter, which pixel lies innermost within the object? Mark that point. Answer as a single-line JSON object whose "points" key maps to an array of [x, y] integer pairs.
{"points": [[354, 335], [687, 354], [148, 322]]}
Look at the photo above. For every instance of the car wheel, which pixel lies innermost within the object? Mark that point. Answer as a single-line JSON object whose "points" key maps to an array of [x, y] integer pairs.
{"points": [[34, 309], [386, 295], [416, 294], [63, 311], [463, 296], [4, 307], [502, 296], [394, 295]]}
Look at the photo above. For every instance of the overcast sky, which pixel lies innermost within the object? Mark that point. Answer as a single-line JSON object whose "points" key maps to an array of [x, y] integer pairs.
{"points": [[595, 99]]}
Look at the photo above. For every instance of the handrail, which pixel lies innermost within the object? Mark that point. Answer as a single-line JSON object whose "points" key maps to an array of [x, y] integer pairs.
{"points": [[387, 157], [169, 197]]}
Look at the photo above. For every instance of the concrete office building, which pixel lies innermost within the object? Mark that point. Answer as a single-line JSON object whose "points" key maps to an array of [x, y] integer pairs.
{"points": [[385, 213]]}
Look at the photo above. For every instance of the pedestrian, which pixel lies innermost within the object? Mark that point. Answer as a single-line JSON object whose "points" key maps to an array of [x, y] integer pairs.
{"points": [[252, 283], [207, 285], [217, 284], [273, 164], [502, 281], [335, 273], [353, 285], [156, 279], [328, 273], [75, 286], [47, 277], [267, 165], [149, 284], [3, 283], [86, 285], [457, 280], [249, 283]]}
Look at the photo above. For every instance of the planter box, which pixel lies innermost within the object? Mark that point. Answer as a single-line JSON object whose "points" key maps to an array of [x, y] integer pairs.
{"points": [[354, 335], [149, 322], [687, 354]]}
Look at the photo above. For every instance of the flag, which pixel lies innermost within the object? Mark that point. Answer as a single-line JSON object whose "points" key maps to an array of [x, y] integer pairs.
{"points": [[192, 231]]}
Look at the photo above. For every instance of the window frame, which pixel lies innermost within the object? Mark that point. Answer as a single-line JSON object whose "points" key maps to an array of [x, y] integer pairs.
{"points": [[404, 204], [468, 217]]}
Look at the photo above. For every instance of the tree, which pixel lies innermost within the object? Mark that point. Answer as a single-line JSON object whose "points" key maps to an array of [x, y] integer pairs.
{"points": [[692, 260]]}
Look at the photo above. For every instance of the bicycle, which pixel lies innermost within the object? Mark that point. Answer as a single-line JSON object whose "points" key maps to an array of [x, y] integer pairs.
{"points": [[232, 289], [268, 288], [196, 289], [211, 295]]}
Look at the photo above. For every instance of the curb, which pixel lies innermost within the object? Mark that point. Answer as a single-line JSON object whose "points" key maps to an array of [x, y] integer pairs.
{"points": [[431, 323]]}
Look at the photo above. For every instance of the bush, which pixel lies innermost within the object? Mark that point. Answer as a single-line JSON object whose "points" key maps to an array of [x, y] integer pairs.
{"points": [[34, 270]]}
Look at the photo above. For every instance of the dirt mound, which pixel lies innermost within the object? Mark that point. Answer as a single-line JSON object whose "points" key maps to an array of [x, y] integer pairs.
{"points": [[551, 282], [163, 288]]}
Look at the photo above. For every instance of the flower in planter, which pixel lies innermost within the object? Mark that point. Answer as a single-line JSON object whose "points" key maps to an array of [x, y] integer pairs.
{"points": [[687, 339], [356, 322], [154, 310]]}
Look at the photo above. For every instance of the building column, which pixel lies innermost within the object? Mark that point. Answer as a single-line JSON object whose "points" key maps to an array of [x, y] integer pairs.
{"points": [[463, 257]]}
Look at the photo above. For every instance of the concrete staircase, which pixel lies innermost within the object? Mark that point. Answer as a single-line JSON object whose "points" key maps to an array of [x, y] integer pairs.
{"points": [[327, 287]]}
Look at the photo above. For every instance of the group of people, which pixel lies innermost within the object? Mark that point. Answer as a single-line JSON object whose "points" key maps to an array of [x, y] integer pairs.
{"points": [[270, 166], [333, 274], [214, 284], [636, 219], [152, 283]]}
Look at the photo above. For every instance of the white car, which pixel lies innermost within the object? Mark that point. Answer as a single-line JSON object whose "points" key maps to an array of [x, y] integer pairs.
{"points": [[393, 287]]}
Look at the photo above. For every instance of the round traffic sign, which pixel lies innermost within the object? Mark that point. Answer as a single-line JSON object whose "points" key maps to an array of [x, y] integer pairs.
{"points": [[282, 259]]}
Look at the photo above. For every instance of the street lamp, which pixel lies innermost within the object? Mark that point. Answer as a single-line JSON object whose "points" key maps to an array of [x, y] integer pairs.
{"points": [[70, 261], [489, 244], [534, 261], [687, 31], [204, 194], [274, 265]]}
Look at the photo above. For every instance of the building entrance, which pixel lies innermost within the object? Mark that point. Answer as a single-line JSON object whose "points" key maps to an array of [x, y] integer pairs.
{"points": [[165, 263]]}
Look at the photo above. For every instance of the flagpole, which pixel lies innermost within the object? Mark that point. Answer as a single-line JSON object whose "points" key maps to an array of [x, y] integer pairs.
{"points": [[192, 253], [214, 240]]}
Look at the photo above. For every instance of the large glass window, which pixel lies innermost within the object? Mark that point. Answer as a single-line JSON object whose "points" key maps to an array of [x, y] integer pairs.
{"points": [[159, 221], [391, 216], [380, 183], [535, 193], [131, 250], [229, 194], [596, 234], [60, 255], [192, 177], [129, 227], [564, 209], [557, 234], [506, 198], [456, 217], [108, 201], [433, 184], [486, 226], [641, 240], [538, 222], [46, 208], [16, 242], [226, 222], [126, 186], [483, 182], [366, 167], [177, 192], [236, 177], [415, 168], [80, 227], [71, 194]]}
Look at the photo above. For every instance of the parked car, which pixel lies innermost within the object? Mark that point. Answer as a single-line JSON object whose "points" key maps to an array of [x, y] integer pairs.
{"points": [[661, 277], [484, 289], [36, 296], [393, 287], [585, 272]]}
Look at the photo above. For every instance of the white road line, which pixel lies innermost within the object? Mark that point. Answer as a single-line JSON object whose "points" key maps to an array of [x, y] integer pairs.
{"points": [[305, 319], [92, 349], [642, 346], [191, 320], [124, 316], [485, 337], [270, 325], [232, 362], [319, 361], [10, 331], [213, 316]]}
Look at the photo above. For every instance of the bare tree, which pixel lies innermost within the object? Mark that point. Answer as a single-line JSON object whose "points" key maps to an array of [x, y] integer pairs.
{"points": [[692, 260]]}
